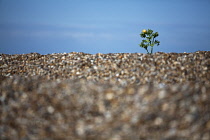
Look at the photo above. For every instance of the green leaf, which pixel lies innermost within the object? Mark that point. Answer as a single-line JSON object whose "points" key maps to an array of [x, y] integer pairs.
{"points": [[149, 37], [149, 32], [143, 45], [155, 34], [147, 41], [157, 42], [152, 44], [143, 35], [143, 41]]}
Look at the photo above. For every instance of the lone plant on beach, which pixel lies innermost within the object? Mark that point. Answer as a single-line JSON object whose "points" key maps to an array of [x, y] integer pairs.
{"points": [[149, 39]]}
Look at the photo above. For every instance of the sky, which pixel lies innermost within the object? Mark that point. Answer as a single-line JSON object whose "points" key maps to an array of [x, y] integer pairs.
{"points": [[102, 26]]}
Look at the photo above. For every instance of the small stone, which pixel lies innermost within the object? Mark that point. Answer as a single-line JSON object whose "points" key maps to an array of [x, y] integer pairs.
{"points": [[162, 94], [165, 107], [208, 124], [95, 67], [109, 96], [158, 121], [80, 128], [130, 91], [50, 109]]}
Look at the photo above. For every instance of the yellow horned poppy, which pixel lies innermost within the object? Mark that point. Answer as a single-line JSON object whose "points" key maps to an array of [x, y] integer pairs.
{"points": [[144, 31]]}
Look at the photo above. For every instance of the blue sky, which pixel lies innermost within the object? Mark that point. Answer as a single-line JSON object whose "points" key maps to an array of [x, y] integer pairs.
{"points": [[105, 26]]}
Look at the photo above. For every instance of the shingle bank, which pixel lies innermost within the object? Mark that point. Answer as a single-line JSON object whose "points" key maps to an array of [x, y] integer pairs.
{"points": [[112, 96]]}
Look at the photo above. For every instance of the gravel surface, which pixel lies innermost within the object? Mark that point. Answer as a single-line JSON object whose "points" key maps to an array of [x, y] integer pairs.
{"points": [[116, 96]]}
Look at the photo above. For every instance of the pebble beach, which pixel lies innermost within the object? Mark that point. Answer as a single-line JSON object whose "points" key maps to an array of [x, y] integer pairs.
{"points": [[115, 96]]}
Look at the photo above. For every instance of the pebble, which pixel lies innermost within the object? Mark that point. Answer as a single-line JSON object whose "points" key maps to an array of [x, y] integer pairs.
{"points": [[105, 96]]}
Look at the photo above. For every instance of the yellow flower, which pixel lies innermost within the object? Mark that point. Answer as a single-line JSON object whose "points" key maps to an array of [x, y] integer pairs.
{"points": [[144, 31]]}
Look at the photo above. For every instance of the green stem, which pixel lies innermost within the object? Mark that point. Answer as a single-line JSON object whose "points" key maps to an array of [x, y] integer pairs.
{"points": [[151, 49], [152, 46], [147, 50], [149, 45]]}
